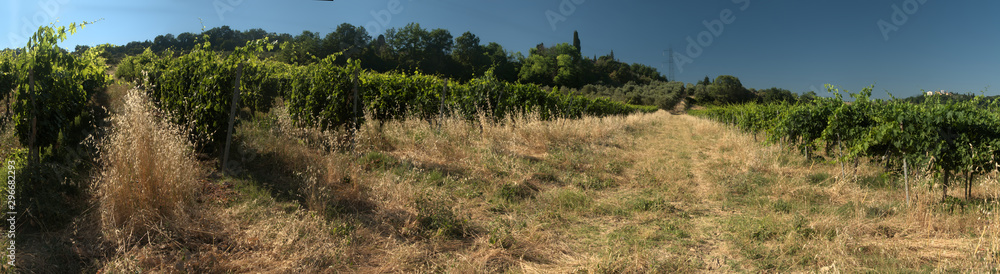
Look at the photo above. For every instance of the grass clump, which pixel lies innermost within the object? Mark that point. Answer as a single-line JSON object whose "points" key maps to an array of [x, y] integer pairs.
{"points": [[595, 183], [880, 211], [148, 173], [781, 206], [746, 184], [882, 180], [376, 160], [501, 233], [572, 200], [817, 178], [517, 191], [436, 218], [756, 238], [745, 188]]}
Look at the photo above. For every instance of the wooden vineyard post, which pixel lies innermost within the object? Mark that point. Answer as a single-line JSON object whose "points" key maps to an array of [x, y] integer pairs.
{"points": [[840, 147], [808, 154], [500, 104], [484, 113], [354, 124], [855, 169], [781, 146], [444, 94], [232, 115], [906, 182]]}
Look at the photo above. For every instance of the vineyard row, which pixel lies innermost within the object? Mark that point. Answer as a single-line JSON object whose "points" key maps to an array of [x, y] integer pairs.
{"points": [[198, 86], [946, 137]]}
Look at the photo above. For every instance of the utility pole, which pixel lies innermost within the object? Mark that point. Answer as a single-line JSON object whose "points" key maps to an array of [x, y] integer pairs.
{"points": [[669, 53], [670, 66]]}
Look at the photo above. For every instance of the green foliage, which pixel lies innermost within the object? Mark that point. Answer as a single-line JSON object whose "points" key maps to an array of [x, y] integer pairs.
{"points": [[664, 95], [63, 83], [412, 48], [562, 65], [321, 95], [302, 50], [8, 74], [538, 69], [198, 86], [950, 136], [569, 73], [728, 89], [349, 39], [776, 95], [52, 87], [420, 49], [576, 41], [471, 55], [131, 68]]}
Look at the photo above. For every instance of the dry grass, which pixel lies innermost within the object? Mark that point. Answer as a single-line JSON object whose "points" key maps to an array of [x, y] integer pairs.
{"points": [[816, 219], [640, 193], [149, 176]]}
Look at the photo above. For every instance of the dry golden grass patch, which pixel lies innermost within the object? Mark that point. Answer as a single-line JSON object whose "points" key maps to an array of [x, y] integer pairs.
{"points": [[808, 216], [150, 181], [535, 161], [638, 193], [148, 177], [113, 98]]}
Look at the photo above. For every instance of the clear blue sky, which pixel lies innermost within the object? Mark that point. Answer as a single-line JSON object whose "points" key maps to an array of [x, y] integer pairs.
{"points": [[797, 45]]}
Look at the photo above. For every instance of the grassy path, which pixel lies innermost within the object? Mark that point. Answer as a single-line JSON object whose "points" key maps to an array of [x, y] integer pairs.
{"points": [[648, 193], [644, 193], [753, 207]]}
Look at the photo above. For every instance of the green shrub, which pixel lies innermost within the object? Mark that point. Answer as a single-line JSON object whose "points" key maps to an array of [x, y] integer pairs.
{"points": [[321, 96], [55, 109], [198, 87], [63, 84]]}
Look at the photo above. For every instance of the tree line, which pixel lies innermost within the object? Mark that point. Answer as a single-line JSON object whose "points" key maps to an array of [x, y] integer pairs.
{"points": [[413, 48]]}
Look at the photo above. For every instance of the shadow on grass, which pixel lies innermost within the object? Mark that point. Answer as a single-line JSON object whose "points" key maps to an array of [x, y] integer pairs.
{"points": [[280, 178]]}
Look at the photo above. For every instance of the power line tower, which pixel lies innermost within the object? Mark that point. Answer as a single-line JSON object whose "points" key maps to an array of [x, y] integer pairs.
{"points": [[670, 63]]}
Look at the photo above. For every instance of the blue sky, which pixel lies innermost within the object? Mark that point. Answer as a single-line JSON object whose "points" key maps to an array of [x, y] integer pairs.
{"points": [[796, 45]]}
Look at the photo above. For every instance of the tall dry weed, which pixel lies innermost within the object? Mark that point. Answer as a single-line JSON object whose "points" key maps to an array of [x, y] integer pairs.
{"points": [[988, 245], [148, 174]]}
